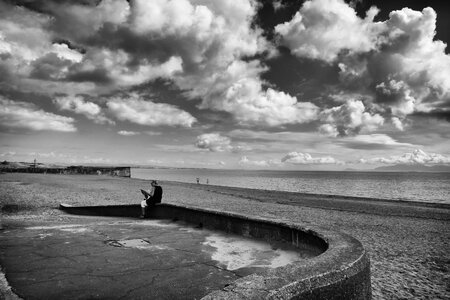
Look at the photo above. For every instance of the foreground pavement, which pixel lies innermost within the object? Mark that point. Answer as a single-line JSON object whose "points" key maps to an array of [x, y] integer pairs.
{"points": [[120, 258]]}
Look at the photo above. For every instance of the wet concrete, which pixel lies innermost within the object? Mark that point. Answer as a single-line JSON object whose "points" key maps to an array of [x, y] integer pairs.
{"points": [[120, 258]]}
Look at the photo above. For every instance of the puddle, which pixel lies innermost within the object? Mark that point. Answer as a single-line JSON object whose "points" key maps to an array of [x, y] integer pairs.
{"points": [[136, 243], [236, 252]]}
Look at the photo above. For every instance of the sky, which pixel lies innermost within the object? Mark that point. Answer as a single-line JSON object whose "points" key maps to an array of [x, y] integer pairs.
{"points": [[283, 85]]}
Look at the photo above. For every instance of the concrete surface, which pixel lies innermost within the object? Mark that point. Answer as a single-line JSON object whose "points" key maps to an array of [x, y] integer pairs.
{"points": [[124, 258]]}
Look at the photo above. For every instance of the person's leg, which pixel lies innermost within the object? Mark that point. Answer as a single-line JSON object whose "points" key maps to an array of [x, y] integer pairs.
{"points": [[143, 209]]}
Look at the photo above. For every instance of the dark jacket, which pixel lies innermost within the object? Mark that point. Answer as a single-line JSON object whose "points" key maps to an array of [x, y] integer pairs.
{"points": [[157, 195]]}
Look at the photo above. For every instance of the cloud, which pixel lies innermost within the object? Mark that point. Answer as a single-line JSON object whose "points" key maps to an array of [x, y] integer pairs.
{"points": [[238, 90], [320, 30], [418, 156], [397, 123], [78, 105], [209, 50], [16, 114], [409, 72], [299, 158], [135, 109], [395, 63], [9, 153], [64, 52], [215, 142], [372, 142], [349, 118], [277, 5], [245, 161], [292, 158], [128, 133]]}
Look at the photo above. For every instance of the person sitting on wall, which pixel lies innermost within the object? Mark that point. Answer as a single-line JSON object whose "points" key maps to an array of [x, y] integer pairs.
{"points": [[151, 198]]}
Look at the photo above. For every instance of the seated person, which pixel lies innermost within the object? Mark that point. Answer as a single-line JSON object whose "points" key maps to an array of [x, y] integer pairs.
{"points": [[151, 198]]}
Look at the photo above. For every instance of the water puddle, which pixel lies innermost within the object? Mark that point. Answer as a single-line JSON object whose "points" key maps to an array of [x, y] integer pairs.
{"points": [[135, 243], [235, 252]]}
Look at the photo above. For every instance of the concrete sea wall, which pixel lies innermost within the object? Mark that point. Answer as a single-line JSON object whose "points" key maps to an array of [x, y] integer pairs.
{"points": [[341, 269]]}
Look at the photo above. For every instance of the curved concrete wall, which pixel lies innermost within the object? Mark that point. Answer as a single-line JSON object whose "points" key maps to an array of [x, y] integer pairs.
{"points": [[340, 271]]}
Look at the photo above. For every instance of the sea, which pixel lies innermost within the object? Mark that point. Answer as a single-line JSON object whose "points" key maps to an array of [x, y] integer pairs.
{"points": [[404, 186]]}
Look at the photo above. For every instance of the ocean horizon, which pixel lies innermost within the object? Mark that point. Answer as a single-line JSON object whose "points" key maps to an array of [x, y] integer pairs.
{"points": [[430, 187]]}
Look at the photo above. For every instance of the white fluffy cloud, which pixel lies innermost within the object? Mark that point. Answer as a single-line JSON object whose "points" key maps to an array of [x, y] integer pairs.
{"points": [[18, 114], [78, 105], [418, 156], [245, 161], [202, 46], [137, 110], [128, 133], [349, 118], [239, 91], [397, 63], [321, 29], [213, 142], [299, 158], [292, 158]]}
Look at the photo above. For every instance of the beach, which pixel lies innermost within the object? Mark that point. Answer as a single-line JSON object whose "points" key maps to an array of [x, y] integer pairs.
{"points": [[407, 242]]}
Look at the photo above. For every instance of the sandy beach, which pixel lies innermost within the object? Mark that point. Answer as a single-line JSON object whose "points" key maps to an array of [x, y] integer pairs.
{"points": [[408, 242]]}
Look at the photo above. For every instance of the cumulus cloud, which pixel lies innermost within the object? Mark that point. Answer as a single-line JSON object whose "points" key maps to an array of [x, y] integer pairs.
{"points": [[203, 47], [320, 30], [128, 133], [16, 114], [245, 161], [78, 105], [397, 123], [239, 91], [135, 109], [215, 142], [349, 118], [396, 63], [418, 156], [410, 70], [299, 158]]}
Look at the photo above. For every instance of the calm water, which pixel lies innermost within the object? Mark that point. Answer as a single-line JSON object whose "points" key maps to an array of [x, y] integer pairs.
{"points": [[424, 187]]}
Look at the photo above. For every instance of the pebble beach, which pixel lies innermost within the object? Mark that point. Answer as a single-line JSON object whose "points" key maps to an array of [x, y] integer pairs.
{"points": [[407, 242]]}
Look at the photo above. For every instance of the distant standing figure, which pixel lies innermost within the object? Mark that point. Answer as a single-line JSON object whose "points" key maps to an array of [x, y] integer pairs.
{"points": [[198, 180], [207, 181], [151, 198]]}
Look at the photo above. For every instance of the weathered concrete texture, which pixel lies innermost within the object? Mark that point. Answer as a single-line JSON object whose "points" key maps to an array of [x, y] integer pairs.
{"points": [[110, 258], [341, 272]]}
